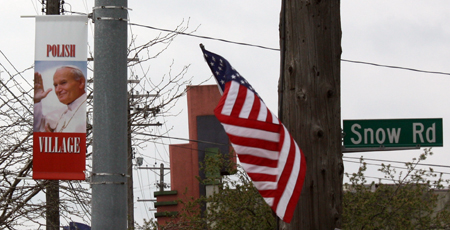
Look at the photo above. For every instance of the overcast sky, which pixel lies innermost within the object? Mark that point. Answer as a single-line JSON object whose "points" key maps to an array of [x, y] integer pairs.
{"points": [[413, 34]]}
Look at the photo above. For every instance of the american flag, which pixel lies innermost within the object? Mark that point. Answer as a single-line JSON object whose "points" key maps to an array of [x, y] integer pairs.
{"points": [[266, 150]]}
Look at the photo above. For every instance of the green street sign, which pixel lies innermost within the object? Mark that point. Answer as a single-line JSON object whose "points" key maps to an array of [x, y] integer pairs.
{"points": [[393, 133]]}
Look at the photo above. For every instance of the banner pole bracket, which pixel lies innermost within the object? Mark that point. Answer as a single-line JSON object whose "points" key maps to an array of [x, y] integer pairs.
{"points": [[110, 174], [91, 182], [93, 17]]}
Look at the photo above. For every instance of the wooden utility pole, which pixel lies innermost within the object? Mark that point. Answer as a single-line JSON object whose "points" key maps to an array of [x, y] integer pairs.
{"points": [[130, 194], [53, 7], [52, 205], [52, 187], [309, 100]]}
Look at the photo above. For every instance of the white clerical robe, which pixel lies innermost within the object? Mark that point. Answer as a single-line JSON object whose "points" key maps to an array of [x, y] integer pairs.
{"points": [[70, 119]]}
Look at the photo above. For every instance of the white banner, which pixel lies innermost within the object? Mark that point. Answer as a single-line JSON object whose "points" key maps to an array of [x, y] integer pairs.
{"points": [[60, 37], [60, 97]]}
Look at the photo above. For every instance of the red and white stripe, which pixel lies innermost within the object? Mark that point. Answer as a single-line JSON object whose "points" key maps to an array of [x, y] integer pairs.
{"points": [[265, 148]]}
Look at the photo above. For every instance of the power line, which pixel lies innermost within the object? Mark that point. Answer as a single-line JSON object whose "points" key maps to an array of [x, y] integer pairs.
{"points": [[275, 49], [142, 192], [397, 167], [204, 37], [379, 178], [395, 67], [370, 159], [179, 138], [399, 162]]}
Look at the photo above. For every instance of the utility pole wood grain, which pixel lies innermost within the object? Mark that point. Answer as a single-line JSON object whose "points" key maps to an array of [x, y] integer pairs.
{"points": [[53, 7], [130, 194], [309, 100], [52, 188]]}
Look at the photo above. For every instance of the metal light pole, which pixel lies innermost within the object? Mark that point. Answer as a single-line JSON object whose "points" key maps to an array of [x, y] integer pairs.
{"points": [[109, 176]]}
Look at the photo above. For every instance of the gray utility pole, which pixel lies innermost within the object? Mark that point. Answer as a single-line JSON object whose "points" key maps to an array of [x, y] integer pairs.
{"points": [[309, 100], [110, 147], [52, 187]]}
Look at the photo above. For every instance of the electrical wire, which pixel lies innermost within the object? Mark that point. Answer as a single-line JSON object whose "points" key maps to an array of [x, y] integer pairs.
{"points": [[399, 162], [379, 178], [275, 49], [204, 37], [35, 8], [396, 167], [396, 67], [142, 190], [183, 139]]}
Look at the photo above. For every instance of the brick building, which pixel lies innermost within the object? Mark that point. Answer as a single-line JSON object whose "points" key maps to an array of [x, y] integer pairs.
{"points": [[205, 133]]}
